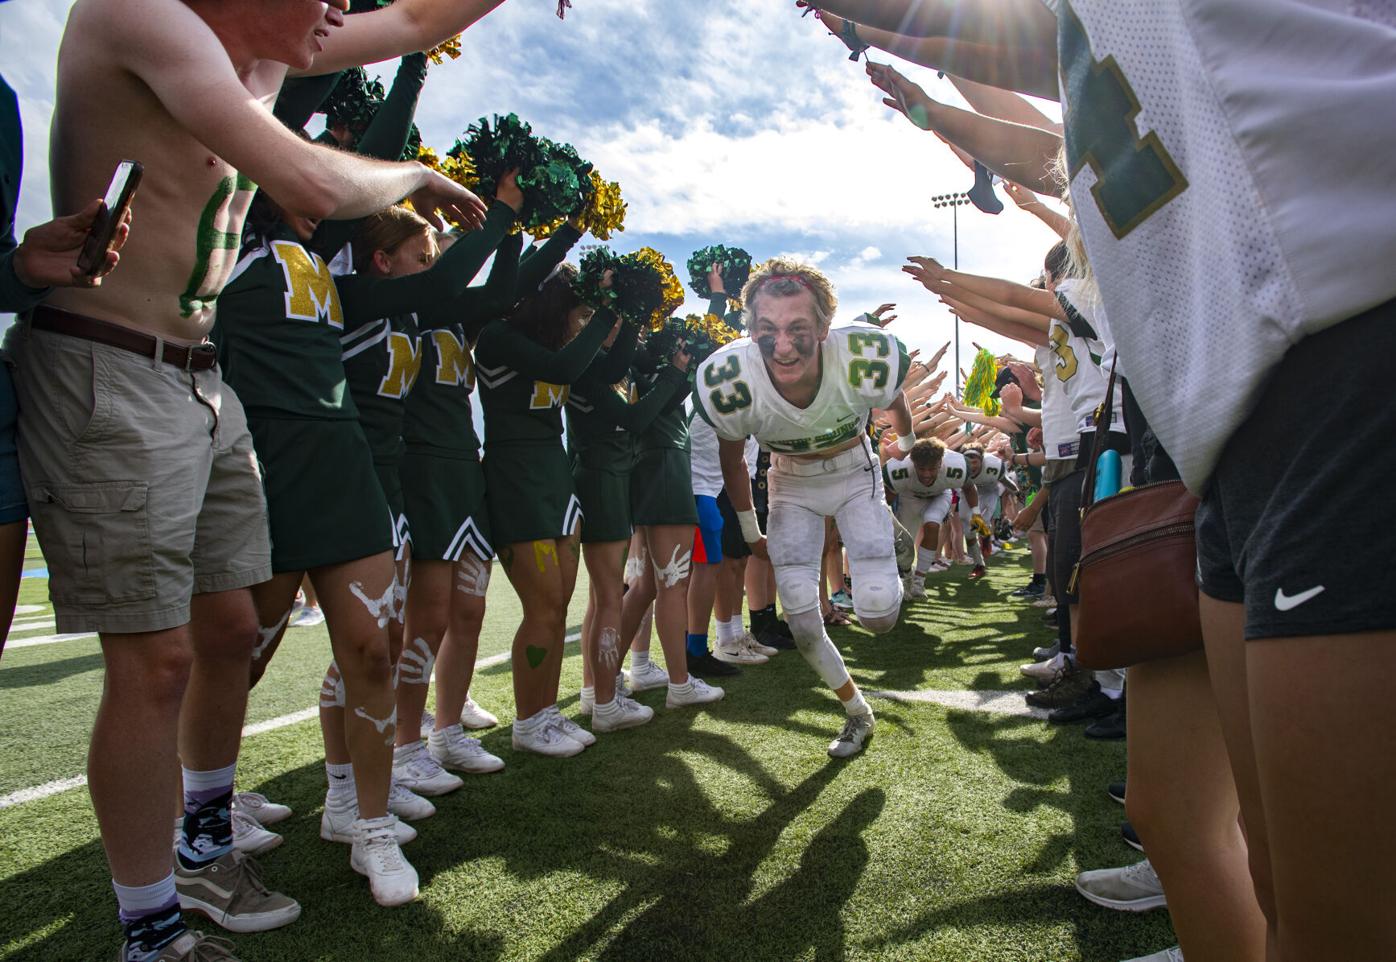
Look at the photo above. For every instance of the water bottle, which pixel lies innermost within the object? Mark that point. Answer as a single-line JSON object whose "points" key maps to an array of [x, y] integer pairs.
{"points": [[1107, 475]]}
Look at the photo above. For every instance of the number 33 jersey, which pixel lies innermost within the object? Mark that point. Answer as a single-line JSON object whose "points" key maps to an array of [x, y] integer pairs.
{"points": [[862, 369]]}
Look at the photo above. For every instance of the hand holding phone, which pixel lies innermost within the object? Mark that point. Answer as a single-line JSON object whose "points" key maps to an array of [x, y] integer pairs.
{"points": [[110, 216]]}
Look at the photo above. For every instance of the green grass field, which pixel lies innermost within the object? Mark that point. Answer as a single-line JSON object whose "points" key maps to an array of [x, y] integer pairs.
{"points": [[724, 834]]}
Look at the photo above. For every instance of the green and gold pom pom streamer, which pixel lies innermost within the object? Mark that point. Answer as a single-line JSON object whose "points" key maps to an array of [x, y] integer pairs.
{"points": [[980, 384]]}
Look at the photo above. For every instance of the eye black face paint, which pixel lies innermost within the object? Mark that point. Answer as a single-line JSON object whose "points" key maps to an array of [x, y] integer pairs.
{"points": [[767, 344], [804, 344]]}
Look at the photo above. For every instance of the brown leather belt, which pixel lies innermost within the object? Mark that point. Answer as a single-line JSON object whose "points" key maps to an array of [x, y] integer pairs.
{"points": [[200, 357]]}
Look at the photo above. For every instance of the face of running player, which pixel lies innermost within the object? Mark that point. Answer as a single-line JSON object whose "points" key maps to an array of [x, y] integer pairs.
{"points": [[976, 464], [927, 476], [788, 331], [412, 256]]}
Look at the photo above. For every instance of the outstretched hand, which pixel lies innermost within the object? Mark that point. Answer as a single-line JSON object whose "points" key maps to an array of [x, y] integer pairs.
{"points": [[903, 95], [48, 255], [883, 315], [927, 270], [453, 201]]}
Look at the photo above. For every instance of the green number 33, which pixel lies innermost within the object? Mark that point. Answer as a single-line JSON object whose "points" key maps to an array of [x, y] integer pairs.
{"points": [[862, 369], [739, 396]]}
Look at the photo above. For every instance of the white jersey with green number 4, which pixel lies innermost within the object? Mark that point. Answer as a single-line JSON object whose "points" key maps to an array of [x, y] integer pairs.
{"points": [[900, 474], [862, 369]]}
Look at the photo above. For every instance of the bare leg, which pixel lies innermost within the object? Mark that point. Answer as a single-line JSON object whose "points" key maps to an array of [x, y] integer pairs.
{"points": [[760, 583], [536, 570], [1182, 801], [272, 602], [456, 665], [728, 601], [222, 632], [602, 650], [428, 613], [671, 557]]}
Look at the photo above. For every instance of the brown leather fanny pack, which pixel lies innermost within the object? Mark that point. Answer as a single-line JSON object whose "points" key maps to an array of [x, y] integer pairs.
{"points": [[199, 357]]}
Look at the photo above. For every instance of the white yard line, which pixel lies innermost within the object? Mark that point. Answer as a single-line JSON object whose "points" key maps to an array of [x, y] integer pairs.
{"points": [[994, 702], [43, 640], [271, 724]]}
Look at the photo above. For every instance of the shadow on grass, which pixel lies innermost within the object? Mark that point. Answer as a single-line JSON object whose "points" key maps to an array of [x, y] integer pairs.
{"points": [[48, 672]]}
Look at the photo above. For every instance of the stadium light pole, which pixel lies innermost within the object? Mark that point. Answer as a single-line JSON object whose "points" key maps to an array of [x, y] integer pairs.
{"points": [[954, 201]]}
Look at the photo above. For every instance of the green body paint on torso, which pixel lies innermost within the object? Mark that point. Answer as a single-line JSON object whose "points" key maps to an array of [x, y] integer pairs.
{"points": [[216, 244]]}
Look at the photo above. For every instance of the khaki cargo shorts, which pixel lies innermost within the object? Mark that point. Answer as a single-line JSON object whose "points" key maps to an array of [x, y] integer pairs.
{"points": [[143, 485]]}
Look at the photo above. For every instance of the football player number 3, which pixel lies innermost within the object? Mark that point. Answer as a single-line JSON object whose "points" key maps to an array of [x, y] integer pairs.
{"points": [[862, 369], [1135, 176], [725, 400]]}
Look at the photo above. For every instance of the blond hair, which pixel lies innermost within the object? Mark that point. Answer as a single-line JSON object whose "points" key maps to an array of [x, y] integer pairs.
{"points": [[785, 277]]}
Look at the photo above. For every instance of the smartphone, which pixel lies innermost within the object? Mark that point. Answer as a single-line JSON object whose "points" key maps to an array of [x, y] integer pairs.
{"points": [[120, 192]]}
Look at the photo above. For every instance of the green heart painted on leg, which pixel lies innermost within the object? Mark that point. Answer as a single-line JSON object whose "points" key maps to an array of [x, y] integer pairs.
{"points": [[536, 656]]}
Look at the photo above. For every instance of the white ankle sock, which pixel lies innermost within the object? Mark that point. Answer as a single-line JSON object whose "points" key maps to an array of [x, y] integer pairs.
{"points": [[857, 705], [639, 660], [341, 779]]}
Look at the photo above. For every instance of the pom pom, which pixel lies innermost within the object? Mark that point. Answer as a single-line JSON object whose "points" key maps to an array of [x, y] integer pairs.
{"points": [[353, 101], [733, 262], [980, 383], [556, 182], [643, 289], [700, 334]]}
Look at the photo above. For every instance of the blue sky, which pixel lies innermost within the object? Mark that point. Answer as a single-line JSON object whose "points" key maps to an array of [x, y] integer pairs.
{"points": [[730, 121]]}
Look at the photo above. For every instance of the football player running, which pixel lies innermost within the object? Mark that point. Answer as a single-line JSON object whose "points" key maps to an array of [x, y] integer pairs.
{"points": [[986, 471], [923, 481], [805, 390]]}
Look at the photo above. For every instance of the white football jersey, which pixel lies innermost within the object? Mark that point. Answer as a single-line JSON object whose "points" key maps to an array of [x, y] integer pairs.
{"points": [[1060, 439], [1077, 359], [989, 474], [900, 476], [703, 459], [863, 369], [1230, 166]]}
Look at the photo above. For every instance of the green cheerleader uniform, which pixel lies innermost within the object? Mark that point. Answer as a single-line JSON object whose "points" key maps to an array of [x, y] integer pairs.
{"points": [[385, 321], [277, 332], [524, 387], [443, 484], [661, 488]]}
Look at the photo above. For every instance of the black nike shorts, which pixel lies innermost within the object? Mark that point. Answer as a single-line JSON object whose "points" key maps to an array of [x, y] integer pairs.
{"points": [[1294, 523]]}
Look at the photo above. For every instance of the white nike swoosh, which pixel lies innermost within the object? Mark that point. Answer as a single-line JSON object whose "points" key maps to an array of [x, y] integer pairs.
{"points": [[1285, 602]]}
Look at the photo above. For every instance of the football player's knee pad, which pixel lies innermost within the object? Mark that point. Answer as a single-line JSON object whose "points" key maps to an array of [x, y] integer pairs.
{"points": [[877, 595], [798, 587], [817, 649]]}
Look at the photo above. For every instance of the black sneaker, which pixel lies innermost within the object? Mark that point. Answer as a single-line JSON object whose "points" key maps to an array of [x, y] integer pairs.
{"points": [[1111, 727], [1093, 704], [1050, 617], [1116, 790], [1130, 836], [1070, 685], [706, 666], [1030, 590], [776, 640]]}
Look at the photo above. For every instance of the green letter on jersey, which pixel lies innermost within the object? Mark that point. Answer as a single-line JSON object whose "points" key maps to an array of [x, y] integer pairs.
{"points": [[1134, 176]]}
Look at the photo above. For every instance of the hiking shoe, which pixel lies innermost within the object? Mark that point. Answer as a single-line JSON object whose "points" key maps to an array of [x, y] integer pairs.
{"points": [[1134, 888], [258, 807], [841, 599], [474, 717], [620, 714], [735, 653], [648, 677], [376, 854], [1174, 954], [230, 892], [337, 822], [191, 947], [1093, 704], [1070, 685], [418, 771], [453, 748], [545, 739], [1130, 836], [857, 729], [568, 727], [708, 666], [695, 691], [249, 837], [1047, 652], [407, 804], [1112, 727], [1116, 790]]}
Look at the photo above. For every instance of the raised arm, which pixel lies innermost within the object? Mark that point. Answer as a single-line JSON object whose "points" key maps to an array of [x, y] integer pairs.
{"points": [[1026, 200], [1004, 43], [405, 27], [501, 342], [938, 278], [638, 416], [538, 263]]}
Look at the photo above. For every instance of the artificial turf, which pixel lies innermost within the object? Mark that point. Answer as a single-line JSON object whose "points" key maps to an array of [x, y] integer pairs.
{"points": [[721, 834]]}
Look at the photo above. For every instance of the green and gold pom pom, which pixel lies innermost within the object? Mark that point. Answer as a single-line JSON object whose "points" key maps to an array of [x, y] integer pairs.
{"points": [[555, 181], [733, 262], [700, 334], [980, 384], [643, 289]]}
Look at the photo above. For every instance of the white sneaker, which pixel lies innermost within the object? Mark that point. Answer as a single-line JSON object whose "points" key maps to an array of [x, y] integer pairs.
{"points": [[309, 616], [620, 714], [376, 853], [474, 717], [428, 724], [749, 641], [1134, 888], [259, 808], [337, 822], [1044, 671], [418, 771], [1046, 601], [693, 692], [735, 653], [569, 728], [856, 730], [649, 677], [407, 804], [249, 837], [940, 564], [586, 698], [1174, 954], [545, 739], [454, 749]]}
